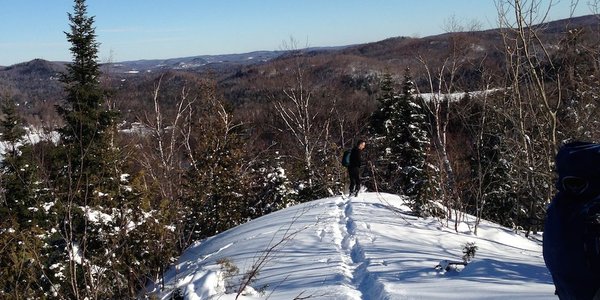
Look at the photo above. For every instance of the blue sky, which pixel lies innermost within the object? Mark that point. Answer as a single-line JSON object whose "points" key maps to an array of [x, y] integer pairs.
{"points": [[153, 29]]}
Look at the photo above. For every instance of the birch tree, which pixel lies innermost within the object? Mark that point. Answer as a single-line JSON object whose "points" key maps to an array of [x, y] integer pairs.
{"points": [[533, 101], [302, 116]]}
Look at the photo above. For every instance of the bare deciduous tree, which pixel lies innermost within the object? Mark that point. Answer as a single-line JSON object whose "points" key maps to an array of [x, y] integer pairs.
{"points": [[441, 79], [300, 115], [534, 87]]}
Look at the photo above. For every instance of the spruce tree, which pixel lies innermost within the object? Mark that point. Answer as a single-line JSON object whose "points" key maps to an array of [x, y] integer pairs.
{"points": [[20, 212], [91, 212], [11, 125], [499, 199], [278, 188], [380, 120], [86, 120], [16, 169], [271, 189], [380, 129], [216, 181], [492, 195], [409, 142]]}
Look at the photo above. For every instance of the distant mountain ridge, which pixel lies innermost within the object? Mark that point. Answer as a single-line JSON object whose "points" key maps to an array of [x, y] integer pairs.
{"points": [[192, 62], [181, 63], [244, 77], [195, 62]]}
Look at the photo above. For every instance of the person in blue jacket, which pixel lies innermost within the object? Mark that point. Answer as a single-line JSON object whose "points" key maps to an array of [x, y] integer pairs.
{"points": [[571, 238]]}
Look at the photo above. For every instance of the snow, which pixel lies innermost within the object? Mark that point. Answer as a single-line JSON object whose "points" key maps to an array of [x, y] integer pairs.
{"points": [[454, 97], [32, 136], [137, 128], [365, 247]]}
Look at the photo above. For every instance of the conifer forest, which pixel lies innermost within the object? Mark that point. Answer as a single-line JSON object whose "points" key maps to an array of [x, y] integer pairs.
{"points": [[134, 171]]}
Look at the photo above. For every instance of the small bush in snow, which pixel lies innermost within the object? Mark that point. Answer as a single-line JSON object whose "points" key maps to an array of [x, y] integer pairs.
{"points": [[469, 251], [228, 271]]}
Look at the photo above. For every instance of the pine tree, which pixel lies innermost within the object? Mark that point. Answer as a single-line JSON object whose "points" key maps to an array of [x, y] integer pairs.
{"points": [[279, 188], [225, 205]]}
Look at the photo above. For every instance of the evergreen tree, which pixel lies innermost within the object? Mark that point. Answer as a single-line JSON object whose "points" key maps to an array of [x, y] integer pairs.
{"points": [[218, 186], [17, 169], [380, 121], [225, 205], [409, 142], [380, 129], [11, 125], [279, 189], [87, 122], [20, 212], [490, 191], [499, 200], [93, 209], [274, 190]]}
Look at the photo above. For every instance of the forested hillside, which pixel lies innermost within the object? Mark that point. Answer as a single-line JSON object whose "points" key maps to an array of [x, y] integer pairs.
{"points": [[150, 161]]}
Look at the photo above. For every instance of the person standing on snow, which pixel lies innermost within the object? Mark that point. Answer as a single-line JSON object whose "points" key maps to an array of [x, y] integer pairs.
{"points": [[354, 167]]}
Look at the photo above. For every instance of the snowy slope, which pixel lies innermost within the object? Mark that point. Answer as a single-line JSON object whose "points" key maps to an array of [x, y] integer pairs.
{"points": [[365, 247]]}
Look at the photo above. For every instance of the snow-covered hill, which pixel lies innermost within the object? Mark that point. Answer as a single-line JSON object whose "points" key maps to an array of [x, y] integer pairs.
{"points": [[365, 247], [194, 62]]}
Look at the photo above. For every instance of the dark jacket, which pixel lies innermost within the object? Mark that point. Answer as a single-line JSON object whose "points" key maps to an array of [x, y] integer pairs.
{"points": [[571, 266], [572, 230], [355, 158]]}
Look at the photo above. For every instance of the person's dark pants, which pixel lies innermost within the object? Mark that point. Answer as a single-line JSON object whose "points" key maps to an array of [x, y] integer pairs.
{"points": [[354, 174]]}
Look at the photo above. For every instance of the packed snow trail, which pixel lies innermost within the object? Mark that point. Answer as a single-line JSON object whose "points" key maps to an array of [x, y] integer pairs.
{"points": [[364, 283], [366, 247]]}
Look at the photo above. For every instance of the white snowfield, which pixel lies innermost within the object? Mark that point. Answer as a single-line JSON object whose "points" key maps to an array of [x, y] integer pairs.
{"points": [[365, 247]]}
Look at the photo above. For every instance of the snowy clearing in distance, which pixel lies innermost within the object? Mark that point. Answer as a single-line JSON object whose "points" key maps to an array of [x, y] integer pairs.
{"points": [[453, 97]]}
